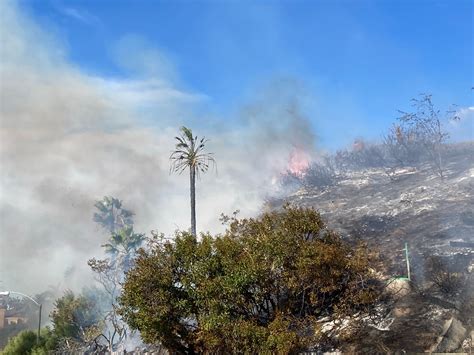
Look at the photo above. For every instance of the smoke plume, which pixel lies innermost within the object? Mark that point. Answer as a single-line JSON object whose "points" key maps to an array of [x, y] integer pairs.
{"points": [[67, 138]]}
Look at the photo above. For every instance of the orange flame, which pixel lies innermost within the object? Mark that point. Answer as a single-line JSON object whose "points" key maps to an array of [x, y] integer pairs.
{"points": [[299, 162]]}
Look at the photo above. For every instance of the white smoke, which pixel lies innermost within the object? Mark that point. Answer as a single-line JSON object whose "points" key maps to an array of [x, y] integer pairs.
{"points": [[462, 129], [68, 138]]}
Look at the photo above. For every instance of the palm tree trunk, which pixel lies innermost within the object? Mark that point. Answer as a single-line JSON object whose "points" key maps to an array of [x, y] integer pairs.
{"points": [[192, 180], [112, 227]]}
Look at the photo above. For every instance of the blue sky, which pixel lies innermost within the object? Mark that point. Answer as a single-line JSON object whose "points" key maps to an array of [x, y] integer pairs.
{"points": [[359, 61], [93, 92]]}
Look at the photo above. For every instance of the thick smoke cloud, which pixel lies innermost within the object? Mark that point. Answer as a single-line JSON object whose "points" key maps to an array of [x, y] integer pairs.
{"points": [[68, 138]]}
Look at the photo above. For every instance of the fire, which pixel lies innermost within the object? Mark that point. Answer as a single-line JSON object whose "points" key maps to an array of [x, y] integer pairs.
{"points": [[299, 162]]}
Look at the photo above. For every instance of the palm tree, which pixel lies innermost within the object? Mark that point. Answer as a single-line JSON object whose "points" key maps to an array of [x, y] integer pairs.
{"points": [[123, 245], [124, 242], [111, 215], [189, 153]]}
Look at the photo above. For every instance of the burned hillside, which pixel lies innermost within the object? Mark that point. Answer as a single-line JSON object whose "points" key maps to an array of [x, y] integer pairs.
{"points": [[435, 216]]}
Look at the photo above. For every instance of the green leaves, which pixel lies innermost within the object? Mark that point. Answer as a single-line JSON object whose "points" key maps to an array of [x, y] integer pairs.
{"points": [[111, 215], [27, 343], [189, 153], [73, 315], [124, 242], [257, 288]]}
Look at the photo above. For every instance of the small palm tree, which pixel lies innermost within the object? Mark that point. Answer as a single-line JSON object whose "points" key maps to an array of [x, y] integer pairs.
{"points": [[111, 215], [189, 153], [124, 242], [123, 245]]}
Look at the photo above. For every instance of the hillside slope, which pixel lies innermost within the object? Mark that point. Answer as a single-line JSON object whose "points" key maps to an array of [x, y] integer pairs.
{"points": [[427, 213]]}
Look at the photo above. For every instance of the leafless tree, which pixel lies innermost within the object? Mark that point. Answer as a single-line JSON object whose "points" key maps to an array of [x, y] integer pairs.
{"points": [[420, 135]]}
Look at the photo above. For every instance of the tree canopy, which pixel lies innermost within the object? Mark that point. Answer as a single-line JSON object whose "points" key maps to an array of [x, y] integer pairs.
{"points": [[27, 343], [75, 317], [259, 287], [111, 215]]}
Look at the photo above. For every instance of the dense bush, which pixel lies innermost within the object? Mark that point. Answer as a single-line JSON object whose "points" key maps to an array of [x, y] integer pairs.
{"points": [[11, 331], [74, 316], [258, 288], [26, 343], [77, 322]]}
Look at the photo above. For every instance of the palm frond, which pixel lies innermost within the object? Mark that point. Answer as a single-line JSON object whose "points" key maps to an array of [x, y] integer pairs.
{"points": [[189, 153], [188, 133]]}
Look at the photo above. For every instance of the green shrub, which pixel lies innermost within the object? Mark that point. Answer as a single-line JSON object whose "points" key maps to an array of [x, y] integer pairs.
{"points": [[27, 343], [258, 288]]}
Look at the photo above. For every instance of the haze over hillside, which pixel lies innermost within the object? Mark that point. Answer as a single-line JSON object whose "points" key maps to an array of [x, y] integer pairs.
{"points": [[360, 109]]}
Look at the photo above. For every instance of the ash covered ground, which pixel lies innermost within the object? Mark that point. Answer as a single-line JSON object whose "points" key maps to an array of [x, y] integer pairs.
{"points": [[417, 207]]}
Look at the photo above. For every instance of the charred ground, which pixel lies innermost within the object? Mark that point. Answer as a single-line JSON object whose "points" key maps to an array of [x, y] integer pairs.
{"points": [[416, 206]]}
